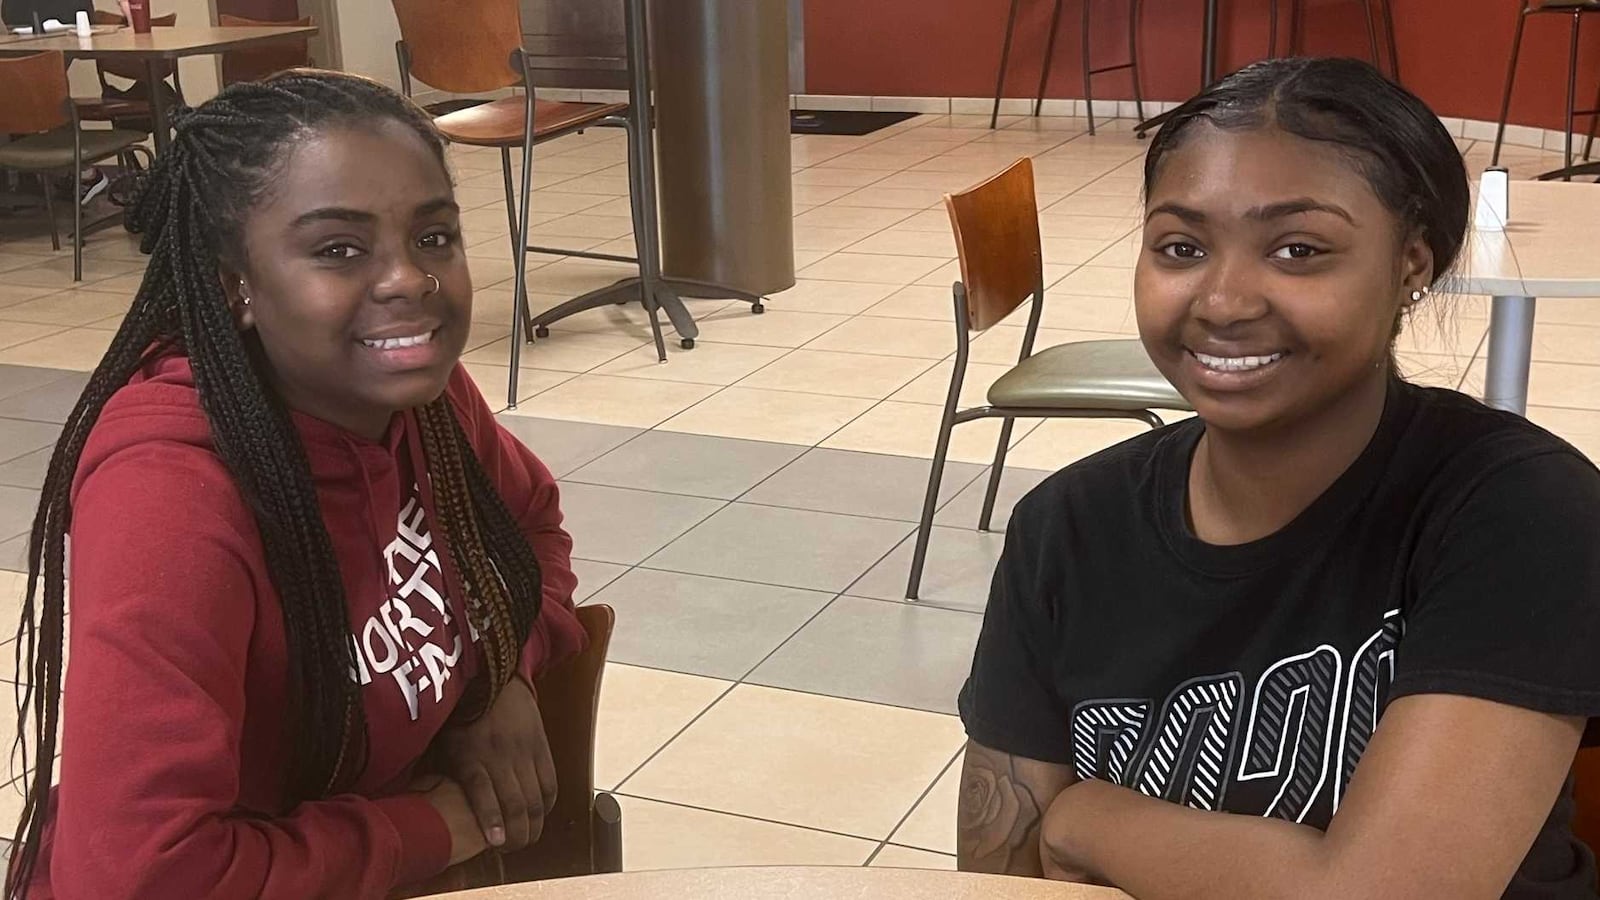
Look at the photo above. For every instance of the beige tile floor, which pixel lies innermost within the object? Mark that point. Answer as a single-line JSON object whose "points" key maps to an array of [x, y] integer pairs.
{"points": [[855, 356]]}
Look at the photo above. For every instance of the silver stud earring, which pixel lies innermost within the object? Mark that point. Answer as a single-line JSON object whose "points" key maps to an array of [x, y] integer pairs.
{"points": [[242, 294], [1418, 296]]}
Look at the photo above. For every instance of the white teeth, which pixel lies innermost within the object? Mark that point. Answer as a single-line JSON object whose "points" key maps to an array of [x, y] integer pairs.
{"points": [[397, 343], [1235, 363]]}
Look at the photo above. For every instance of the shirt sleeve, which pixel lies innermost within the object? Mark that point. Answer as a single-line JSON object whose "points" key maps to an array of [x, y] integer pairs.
{"points": [[1010, 702], [161, 627], [1507, 600], [531, 494]]}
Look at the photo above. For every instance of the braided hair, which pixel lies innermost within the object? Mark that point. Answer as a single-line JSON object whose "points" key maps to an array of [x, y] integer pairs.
{"points": [[191, 211]]}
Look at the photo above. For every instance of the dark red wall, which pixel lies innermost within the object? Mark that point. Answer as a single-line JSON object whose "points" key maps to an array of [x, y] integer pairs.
{"points": [[1452, 52]]}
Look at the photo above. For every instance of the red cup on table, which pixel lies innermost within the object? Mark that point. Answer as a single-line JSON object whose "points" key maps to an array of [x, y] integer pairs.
{"points": [[139, 16]]}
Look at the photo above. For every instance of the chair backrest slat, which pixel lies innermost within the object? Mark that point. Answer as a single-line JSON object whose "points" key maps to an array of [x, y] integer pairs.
{"points": [[464, 46], [35, 88], [996, 228], [256, 63]]}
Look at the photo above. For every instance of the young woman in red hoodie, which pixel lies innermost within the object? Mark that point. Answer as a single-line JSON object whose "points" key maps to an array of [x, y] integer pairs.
{"points": [[312, 579]]}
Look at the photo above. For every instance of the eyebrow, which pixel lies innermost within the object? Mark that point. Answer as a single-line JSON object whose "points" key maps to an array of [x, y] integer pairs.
{"points": [[1259, 213], [345, 214]]}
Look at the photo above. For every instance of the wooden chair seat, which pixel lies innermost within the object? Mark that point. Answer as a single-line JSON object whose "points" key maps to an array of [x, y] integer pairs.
{"points": [[499, 123]]}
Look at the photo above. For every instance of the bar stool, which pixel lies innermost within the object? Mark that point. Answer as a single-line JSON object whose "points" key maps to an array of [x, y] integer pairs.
{"points": [[1088, 70], [1296, 32], [475, 47], [1576, 9]]}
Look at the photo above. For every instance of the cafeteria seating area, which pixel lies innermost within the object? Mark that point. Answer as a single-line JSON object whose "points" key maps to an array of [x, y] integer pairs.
{"points": [[749, 507]]}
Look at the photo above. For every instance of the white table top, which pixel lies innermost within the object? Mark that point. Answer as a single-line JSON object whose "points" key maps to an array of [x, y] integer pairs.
{"points": [[1550, 247], [799, 883]]}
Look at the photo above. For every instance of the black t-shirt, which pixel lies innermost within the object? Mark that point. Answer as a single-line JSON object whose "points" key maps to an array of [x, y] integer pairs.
{"points": [[1456, 555]]}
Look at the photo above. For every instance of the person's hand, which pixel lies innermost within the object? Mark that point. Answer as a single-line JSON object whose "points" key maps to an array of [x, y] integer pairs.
{"points": [[450, 801], [502, 761]]}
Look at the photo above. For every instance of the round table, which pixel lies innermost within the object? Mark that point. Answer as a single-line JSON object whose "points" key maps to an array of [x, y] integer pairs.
{"points": [[807, 883]]}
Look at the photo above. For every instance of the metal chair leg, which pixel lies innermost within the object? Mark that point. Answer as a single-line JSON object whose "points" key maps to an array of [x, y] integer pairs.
{"points": [[995, 473], [1394, 47], [1511, 80], [1005, 60], [1594, 118], [516, 236], [930, 501], [519, 293], [1088, 76], [1572, 93], [50, 210], [1372, 35], [1133, 58], [1049, 56], [644, 248], [1296, 15], [1272, 29]]}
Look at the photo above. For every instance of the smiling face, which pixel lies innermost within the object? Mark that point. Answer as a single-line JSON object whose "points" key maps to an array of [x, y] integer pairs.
{"points": [[1271, 277], [338, 259]]}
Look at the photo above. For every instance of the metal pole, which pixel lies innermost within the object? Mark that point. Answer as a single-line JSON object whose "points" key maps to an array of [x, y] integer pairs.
{"points": [[1510, 353]]}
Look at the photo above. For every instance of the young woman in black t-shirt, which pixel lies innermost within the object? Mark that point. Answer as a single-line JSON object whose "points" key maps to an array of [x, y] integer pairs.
{"points": [[1336, 636]]}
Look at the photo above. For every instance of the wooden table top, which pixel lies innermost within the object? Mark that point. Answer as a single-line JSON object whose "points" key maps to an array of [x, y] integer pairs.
{"points": [[797, 883], [160, 43], [1546, 250]]}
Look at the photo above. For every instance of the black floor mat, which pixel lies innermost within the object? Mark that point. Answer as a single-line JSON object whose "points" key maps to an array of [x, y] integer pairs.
{"points": [[833, 121]]}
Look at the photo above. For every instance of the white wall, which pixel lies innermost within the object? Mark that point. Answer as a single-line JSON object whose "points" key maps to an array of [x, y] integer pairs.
{"points": [[367, 32]]}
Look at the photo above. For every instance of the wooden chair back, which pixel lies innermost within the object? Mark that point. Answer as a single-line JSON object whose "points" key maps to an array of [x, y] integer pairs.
{"points": [[256, 63], [462, 47], [1586, 795], [996, 228], [576, 839], [133, 70], [35, 88]]}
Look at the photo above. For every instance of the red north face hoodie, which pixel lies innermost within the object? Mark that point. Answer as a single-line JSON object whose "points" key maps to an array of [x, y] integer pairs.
{"points": [[174, 749]]}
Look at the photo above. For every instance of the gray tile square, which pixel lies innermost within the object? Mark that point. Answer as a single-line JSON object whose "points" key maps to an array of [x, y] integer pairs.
{"points": [[51, 402], [17, 507], [791, 547], [958, 573], [615, 525], [701, 625], [593, 576], [16, 379], [896, 653], [859, 484], [565, 446], [27, 471], [19, 437], [1015, 483], [688, 464]]}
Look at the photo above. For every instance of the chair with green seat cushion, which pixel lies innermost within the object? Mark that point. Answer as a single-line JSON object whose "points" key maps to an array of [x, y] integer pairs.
{"points": [[1002, 267], [40, 109]]}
